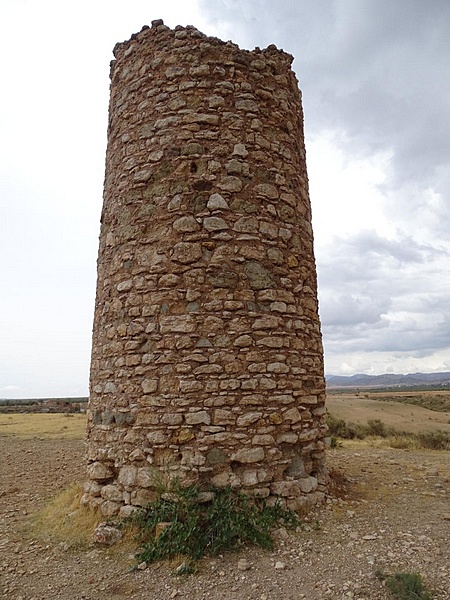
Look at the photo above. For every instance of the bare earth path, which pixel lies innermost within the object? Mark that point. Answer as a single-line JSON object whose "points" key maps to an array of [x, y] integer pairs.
{"points": [[396, 518]]}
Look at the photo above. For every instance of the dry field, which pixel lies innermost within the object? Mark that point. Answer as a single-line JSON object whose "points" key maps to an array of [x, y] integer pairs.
{"points": [[50, 426], [359, 407]]}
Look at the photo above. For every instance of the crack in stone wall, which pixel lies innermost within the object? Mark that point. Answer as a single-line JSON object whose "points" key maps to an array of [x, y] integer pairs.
{"points": [[207, 359]]}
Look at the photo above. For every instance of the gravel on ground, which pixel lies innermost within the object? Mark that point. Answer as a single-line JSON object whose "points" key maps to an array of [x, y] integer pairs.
{"points": [[392, 516]]}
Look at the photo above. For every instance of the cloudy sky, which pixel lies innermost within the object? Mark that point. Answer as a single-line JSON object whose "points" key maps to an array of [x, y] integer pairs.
{"points": [[376, 92]]}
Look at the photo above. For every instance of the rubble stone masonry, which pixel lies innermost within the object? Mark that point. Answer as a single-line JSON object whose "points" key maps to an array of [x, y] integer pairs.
{"points": [[207, 360]]}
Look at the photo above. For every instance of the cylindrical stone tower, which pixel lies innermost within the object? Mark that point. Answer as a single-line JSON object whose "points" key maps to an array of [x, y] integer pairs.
{"points": [[207, 360]]}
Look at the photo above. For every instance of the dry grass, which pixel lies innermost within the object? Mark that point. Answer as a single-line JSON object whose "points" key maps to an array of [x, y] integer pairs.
{"points": [[436, 400], [64, 519], [405, 443], [400, 442], [53, 426], [358, 408]]}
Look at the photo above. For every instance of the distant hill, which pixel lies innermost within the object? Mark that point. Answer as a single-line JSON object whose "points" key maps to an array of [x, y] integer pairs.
{"points": [[389, 380]]}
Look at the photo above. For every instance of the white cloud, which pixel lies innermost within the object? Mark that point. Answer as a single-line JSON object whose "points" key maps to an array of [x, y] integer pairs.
{"points": [[376, 90], [345, 190]]}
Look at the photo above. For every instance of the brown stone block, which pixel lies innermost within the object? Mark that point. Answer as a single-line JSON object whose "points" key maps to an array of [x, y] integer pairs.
{"points": [[248, 455]]}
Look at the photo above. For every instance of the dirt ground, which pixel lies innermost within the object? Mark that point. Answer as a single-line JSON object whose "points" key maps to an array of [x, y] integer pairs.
{"points": [[395, 517]]}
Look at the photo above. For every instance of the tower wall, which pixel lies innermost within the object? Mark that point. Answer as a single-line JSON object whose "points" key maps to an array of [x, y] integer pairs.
{"points": [[207, 360]]}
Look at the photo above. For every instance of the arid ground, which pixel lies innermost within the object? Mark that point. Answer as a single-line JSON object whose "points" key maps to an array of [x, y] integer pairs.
{"points": [[393, 516], [391, 408]]}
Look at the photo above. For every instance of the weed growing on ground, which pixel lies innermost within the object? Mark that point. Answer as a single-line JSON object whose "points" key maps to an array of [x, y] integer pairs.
{"points": [[335, 442], [178, 524], [434, 440], [406, 586], [378, 428]]}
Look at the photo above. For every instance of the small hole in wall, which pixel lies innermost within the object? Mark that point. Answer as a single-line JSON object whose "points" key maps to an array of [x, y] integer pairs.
{"points": [[193, 167]]}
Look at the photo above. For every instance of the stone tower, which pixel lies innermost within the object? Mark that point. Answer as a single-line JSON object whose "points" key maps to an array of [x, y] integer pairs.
{"points": [[207, 360]]}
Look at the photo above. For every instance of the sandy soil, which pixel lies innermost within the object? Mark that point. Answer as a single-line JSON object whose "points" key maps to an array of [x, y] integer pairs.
{"points": [[395, 517]]}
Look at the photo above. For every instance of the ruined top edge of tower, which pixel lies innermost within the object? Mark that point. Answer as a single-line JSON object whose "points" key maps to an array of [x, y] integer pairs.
{"points": [[180, 33]]}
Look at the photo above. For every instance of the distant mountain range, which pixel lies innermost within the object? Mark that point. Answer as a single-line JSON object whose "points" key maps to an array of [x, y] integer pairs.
{"points": [[388, 380]]}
